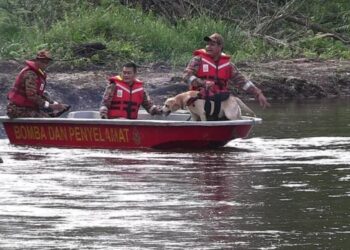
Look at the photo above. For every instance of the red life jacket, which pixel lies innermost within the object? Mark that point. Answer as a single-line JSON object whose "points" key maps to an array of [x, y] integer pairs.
{"points": [[17, 94], [219, 72], [126, 100]]}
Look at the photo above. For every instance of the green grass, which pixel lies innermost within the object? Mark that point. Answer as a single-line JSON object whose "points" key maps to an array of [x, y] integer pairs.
{"points": [[131, 35]]}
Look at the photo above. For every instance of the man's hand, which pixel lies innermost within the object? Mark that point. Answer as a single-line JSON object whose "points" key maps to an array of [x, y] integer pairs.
{"points": [[104, 112], [196, 82], [262, 100], [156, 110], [58, 106], [57, 109], [259, 96], [209, 84]]}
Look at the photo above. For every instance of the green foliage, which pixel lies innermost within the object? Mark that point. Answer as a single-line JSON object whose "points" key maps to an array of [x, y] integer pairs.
{"points": [[331, 14], [132, 35], [324, 48]]}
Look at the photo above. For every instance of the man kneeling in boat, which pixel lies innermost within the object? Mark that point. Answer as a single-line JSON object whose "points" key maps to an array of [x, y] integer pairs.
{"points": [[28, 98], [124, 95]]}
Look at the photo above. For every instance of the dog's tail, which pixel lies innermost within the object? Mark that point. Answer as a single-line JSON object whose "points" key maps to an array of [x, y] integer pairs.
{"points": [[244, 107]]}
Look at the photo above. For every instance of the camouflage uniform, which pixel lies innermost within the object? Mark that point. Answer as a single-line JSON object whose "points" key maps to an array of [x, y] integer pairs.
{"points": [[14, 111], [147, 103], [236, 81]]}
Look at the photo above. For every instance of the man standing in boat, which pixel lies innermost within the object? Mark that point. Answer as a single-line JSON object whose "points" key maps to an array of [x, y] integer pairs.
{"points": [[211, 71], [27, 98], [124, 95]]}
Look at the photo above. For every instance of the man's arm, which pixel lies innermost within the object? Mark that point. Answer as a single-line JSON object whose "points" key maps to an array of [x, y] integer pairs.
{"points": [[148, 105], [106, 100], [190, 73], [239, 81], [31, 91], [108, 95]]}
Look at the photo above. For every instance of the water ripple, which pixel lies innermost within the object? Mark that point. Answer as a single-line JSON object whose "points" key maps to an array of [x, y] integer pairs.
{"points": [[258, 193]]}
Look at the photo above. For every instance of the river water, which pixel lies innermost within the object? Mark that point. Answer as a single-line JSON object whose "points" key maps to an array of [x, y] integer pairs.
{"points": [[285, 187]]}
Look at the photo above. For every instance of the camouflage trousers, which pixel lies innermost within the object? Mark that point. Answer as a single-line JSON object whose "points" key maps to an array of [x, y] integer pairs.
{"points": [[14, 111]]}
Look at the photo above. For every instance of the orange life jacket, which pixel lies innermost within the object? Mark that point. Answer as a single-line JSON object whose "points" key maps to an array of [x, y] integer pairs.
{"points": [[126, 99], [17, 94], [217, 71]]}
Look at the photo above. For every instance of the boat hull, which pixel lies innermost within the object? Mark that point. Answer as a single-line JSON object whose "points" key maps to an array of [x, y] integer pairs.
{"points": [[124, 134]]}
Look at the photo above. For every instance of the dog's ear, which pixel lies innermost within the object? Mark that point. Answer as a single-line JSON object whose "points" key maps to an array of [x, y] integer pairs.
{"points": [[179, 99], [168, 102], [172, 104]]}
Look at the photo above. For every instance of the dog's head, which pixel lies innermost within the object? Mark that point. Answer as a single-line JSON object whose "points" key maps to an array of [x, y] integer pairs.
{"points": [[170, 105]]}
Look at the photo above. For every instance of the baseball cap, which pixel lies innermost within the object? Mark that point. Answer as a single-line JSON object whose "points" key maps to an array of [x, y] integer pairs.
{"points": [[43, 55], [216, 37]]}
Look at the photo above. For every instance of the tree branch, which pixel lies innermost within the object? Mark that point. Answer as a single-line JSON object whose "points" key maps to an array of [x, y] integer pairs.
{"points": [[317, 28]]}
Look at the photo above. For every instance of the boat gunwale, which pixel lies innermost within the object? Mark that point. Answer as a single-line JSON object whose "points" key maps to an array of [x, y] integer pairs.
{"points": [[126, 122]]}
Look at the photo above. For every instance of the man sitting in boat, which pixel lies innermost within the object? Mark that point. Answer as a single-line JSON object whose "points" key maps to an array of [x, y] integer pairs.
{"points": [[212, 73], [28, 98], [124, 95]]}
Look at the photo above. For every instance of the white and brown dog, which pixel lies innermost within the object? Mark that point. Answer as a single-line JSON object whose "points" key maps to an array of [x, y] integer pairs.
{"points": [[231, 108]]}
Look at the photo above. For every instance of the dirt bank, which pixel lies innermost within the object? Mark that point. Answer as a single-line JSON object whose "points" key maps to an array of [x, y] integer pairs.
{"points": [[280, 80]]}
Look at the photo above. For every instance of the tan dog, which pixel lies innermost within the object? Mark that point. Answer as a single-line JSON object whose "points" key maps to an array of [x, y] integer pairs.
{"points": [[230, 108]]}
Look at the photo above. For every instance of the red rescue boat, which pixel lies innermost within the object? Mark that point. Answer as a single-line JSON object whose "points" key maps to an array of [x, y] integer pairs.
{"points": [[84, 129]]}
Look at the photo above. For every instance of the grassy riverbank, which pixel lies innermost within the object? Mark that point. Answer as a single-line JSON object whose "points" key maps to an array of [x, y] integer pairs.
{"points": [[129, 33]]}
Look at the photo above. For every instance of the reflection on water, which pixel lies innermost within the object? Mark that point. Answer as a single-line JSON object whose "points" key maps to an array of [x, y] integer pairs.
{"points": [[276, 190], [309, 118], [272, 194]]}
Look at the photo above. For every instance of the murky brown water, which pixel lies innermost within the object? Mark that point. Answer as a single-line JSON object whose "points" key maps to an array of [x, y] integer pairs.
{"points": [[286, 187]]}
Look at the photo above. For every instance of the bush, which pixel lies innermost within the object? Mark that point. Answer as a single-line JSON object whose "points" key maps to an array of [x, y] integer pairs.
{"points": [[130, 34]]}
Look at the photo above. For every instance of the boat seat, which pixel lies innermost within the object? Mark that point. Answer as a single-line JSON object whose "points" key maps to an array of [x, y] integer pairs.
{"points": [[84, 115], [143, 115]]}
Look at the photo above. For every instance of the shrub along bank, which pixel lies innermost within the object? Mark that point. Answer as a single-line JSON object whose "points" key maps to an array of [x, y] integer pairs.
{"points": [[108, 33]]}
